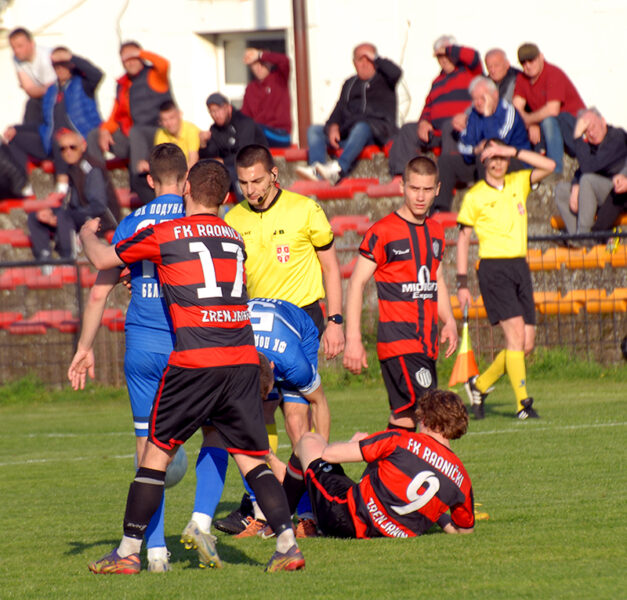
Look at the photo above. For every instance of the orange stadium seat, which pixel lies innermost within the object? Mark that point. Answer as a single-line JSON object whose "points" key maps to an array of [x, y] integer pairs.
{"points": [[117, 163], [6, 206], [47, 166], [295, 154], [551, 303], [322, 190], [42, 320], [558, 223], [618, 258], [52, 201], [476, 310], [15, 237], [12, 277]]}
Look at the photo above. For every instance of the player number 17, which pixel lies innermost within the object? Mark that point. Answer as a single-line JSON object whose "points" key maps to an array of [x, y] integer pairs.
{"points": [[211, 289]]}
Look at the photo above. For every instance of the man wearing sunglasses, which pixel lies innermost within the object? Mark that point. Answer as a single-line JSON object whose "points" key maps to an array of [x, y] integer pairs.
{"points": [[90, 194], [553, 103]]}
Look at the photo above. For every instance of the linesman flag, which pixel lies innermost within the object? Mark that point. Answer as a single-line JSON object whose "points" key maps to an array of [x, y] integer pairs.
{"points": [[465, 365]]}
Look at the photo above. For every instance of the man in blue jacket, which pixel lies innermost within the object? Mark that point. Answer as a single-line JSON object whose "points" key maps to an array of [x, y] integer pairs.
{"points": [[69, 103]]}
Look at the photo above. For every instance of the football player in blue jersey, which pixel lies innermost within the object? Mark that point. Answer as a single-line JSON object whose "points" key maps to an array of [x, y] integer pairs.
{"points": [[149, 339], [287, 336]]}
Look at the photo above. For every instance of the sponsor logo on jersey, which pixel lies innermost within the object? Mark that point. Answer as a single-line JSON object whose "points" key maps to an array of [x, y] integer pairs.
{"points": [[424, 288], [521, 208], [283, 253], [423, 377]]}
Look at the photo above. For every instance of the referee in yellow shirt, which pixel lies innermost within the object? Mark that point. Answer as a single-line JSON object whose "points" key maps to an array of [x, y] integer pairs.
{"points": [[496, 209]]}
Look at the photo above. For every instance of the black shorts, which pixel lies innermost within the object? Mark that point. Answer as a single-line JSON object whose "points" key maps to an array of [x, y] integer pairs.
{"points": [[314, 310], [506, 288], [407, 378], [328, 487], [229, 396]]}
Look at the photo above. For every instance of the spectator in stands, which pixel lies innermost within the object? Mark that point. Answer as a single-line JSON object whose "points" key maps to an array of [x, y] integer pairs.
{"points": [[69, 103], [490, 117], [365, 113], [175, 130], [267, 96], [501, 72], [34, 71], [448, 97], [600, 182], [90, 194], [553, 102], [130, 130], [231, 131]]}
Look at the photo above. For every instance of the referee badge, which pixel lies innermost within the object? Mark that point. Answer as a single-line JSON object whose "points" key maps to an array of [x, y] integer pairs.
{"points": [[283, 253]]}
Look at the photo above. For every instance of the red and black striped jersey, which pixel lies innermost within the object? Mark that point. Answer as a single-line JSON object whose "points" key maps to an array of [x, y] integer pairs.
{"points": [[407, 256], [200, 260], [410, 481]]}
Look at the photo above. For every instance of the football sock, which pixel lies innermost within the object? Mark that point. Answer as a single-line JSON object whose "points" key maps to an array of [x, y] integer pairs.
{"points": [[515, 364], [128, 546], [273, 437], [144, 497], [285, 540], [155, 535], [294, 483], [211, 468], [156, 553], [271, 498], [493, 373]]}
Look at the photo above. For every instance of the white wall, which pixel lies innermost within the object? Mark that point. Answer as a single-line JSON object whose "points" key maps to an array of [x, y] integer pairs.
{"points": [[584, 38]]}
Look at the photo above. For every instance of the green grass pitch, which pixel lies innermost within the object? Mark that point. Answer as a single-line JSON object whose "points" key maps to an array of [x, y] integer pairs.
{"points": [[554, 489]]}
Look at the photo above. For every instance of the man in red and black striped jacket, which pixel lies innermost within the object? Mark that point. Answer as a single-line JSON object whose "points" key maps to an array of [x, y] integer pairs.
{"points": [[447, 97], [404, 252], [213, 371], [412, 480]]}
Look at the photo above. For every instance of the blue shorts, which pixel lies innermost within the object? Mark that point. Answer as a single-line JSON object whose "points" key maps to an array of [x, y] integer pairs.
{"points": [[143, 372]]}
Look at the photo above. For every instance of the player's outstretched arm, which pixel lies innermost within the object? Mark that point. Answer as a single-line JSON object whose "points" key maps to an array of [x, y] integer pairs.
{"points": [[83, 363], [333, 336], [354, 353], [447, 525], [342, 452], [100, 255], [463, 243], [448, 332]]}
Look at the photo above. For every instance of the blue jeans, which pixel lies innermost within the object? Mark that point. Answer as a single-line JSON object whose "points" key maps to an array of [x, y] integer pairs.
{"points": [[557, 133], [359, 137]]}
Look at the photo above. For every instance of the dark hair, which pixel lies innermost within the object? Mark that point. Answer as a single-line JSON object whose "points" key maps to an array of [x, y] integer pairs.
{"points": [[421, 165], [167, 105], [60, 49], [209, 182], [252, 154], [443, 412], [130, 44], [266, 375], [21, 31], [167, 163]]}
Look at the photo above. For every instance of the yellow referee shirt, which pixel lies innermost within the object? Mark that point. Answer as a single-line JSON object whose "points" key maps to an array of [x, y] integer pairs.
{"points": [[281, 244], [187, 139], [499, 217]]}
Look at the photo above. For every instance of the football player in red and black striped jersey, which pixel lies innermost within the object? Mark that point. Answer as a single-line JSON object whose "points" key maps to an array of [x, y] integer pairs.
{"points": [[404, 252], [213, 371], [412, 480]]}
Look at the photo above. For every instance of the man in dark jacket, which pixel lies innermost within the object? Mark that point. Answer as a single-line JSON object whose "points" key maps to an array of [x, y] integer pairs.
{"points": [[231, 131], [364, 114], [599, 184], [90, 194]]}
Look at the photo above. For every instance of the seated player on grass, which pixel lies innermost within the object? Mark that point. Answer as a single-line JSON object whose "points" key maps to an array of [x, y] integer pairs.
{"points": [[412, 480]]}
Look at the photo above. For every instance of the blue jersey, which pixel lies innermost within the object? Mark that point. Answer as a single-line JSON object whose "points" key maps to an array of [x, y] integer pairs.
{"points": [[287, 336], [148, 325]]}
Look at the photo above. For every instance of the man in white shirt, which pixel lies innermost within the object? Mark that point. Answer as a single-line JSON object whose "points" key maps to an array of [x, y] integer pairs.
{"points": [[34, 71]]}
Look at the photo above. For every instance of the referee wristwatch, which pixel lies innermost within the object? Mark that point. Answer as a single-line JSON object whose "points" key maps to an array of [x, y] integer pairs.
{"points": [[338, 319]]}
